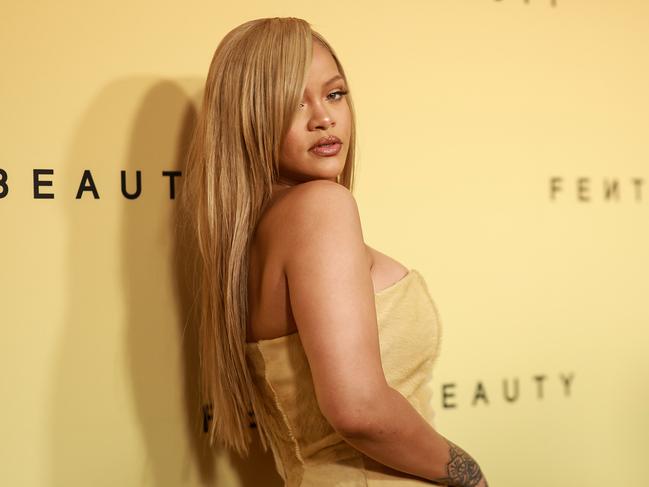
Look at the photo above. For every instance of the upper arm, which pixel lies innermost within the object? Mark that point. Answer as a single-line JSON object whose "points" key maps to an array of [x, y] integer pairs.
{"points": [[331, 294]]}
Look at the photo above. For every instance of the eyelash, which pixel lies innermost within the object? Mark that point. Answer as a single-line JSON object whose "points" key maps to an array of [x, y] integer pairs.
{"points": [[338, 92], [341, 92]]}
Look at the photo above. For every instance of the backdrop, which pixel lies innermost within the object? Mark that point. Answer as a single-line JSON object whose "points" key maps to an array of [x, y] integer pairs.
{"points": [[502, 151]]}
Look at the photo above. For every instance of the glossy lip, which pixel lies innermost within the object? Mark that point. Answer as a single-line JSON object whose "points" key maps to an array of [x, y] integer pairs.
{"points": [[326, 150], [329, 139]]}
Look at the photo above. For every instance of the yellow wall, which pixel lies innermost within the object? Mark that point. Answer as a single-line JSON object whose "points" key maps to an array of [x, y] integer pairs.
{"points": [[469, 114]]}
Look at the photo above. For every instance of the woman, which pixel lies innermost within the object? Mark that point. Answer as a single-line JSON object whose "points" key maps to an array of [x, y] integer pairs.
{"points": [[293, 302]]}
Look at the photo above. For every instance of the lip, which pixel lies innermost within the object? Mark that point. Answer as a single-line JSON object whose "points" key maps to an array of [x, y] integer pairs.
{"points": [[326, 150], [329, 139]]}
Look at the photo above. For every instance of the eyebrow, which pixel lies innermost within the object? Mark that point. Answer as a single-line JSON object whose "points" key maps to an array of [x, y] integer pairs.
{"points": [[338, 76]]}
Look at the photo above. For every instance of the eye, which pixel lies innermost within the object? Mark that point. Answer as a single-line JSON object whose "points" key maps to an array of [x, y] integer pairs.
{"points": [[339, 92]]}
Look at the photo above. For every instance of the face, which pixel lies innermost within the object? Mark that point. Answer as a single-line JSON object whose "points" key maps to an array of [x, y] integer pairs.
{"points": [[323, 111]]}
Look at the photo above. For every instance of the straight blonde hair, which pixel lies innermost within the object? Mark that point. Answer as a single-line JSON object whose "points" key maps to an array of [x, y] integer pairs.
{"points": [[255, 81]]}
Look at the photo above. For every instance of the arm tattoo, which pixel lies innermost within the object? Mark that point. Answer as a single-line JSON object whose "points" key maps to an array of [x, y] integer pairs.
{"points": [[462, 470]]}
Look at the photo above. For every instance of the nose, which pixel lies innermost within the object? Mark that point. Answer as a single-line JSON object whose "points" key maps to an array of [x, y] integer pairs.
{"points": [[321, 118]]}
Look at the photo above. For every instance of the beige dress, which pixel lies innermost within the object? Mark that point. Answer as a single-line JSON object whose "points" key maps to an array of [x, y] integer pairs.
{"points": [[308, 452]]}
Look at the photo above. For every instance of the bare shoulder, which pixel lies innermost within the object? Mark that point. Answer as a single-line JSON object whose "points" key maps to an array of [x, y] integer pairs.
{"points": [[315, 209], [320, 197]]}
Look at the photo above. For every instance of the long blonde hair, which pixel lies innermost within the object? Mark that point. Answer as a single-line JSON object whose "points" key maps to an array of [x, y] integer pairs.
{"points": [[255, 81]]}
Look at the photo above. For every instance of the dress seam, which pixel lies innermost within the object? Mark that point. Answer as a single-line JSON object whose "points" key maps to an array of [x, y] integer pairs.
{"points": [[296, 446], [362, 457]]}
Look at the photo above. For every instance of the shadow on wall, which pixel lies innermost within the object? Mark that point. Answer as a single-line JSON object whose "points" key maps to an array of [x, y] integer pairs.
{"points": [[124, 407]]}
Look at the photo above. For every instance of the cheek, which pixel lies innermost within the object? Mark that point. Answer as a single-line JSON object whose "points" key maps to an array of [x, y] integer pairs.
{"points": [[291, 145], [345, 118]]}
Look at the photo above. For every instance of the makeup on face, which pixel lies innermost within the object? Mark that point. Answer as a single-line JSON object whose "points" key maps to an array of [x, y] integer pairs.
{"points": [[327, 146]]}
